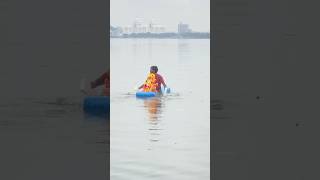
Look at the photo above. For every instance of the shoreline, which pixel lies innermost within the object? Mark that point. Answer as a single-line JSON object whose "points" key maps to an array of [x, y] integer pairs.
{"points": [[152, 38], [192, 35]]}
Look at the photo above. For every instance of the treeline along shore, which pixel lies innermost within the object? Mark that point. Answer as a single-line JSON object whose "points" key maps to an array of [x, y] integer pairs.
{"points": [[190, 35]]}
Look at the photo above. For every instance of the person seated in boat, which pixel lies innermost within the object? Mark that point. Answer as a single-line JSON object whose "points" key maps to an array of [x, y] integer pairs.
{"points": [[153, 82], [104, 79]]}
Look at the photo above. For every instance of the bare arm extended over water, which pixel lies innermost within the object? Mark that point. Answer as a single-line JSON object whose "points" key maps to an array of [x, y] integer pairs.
{"points": [[141, 86], [100, 81], [162, 82]]}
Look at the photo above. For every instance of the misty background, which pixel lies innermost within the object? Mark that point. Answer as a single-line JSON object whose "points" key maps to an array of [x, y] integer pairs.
{"points": [[169, 13]]}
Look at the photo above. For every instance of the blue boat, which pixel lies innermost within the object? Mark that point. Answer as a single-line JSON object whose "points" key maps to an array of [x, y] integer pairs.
{"points": [[141, 94], [146, 94], [97, 105]]}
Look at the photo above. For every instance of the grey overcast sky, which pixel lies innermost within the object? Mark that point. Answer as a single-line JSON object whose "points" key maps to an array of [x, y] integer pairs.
{"points": [[169, 13]]}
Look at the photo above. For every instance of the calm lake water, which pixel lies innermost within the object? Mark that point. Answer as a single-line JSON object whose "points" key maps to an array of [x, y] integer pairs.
{"points": [[167, 137]]}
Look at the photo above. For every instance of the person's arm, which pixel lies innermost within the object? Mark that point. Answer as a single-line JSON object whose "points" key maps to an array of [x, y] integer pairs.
{"points": [[141, 86], [164, 84], [100, 81]]}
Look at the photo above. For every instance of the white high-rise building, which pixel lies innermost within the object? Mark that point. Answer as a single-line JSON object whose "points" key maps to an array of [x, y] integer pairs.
{"points": [[183, 28], [140, 27]]}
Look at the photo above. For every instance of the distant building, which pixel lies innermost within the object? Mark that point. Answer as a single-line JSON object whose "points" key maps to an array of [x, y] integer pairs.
{"points": [[183, 28], [156, 28], [139, 27]]}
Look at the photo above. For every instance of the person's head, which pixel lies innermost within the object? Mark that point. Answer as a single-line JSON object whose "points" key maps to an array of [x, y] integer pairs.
{"points": [[153, 69]]}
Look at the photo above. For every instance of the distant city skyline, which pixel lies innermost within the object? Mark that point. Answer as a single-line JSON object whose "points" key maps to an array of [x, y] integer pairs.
{"points": [[142, 26], [168, 13]]}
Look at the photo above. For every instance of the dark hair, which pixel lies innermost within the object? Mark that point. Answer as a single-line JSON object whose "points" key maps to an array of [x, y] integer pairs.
{"points": [[154, 68]]}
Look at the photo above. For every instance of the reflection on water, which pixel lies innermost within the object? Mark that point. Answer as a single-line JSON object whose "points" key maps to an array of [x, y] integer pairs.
{"points": [[153, 105]]}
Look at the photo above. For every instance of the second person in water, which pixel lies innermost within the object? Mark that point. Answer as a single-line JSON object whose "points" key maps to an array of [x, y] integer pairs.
{"points": [[153, 82]]}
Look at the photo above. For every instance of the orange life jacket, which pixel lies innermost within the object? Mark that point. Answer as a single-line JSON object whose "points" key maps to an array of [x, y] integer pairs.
{"points": [[151, 83]]}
